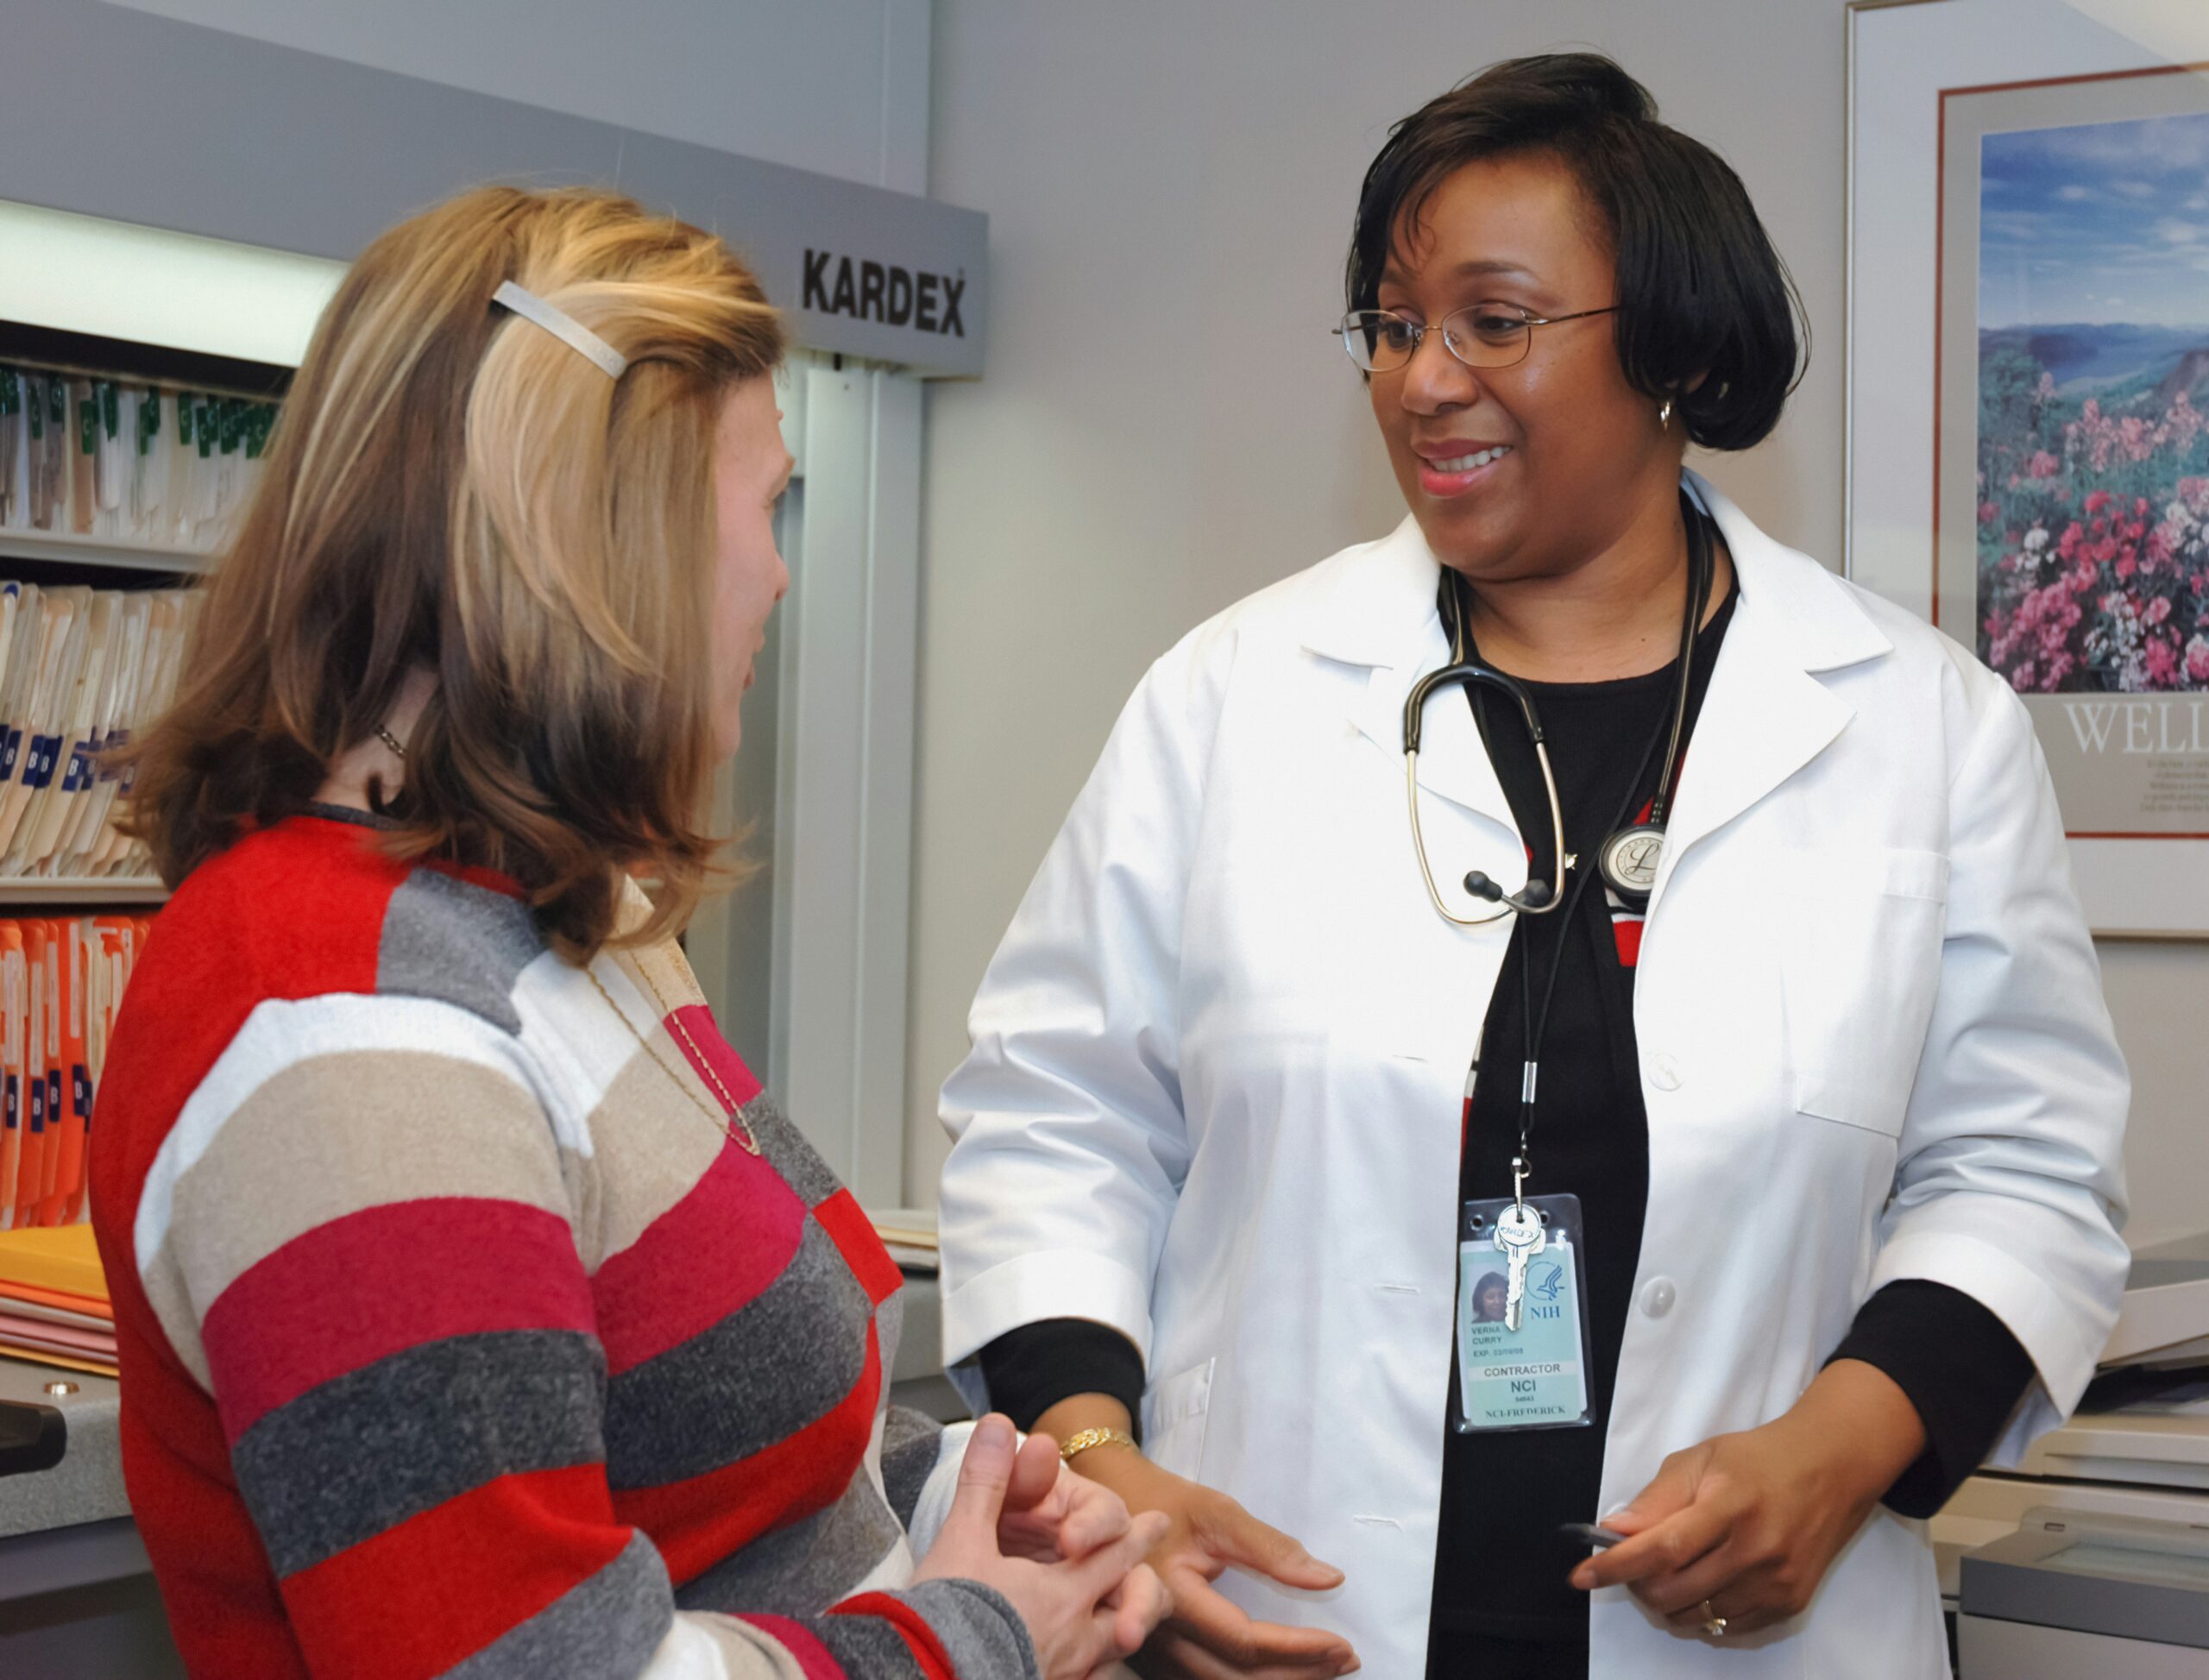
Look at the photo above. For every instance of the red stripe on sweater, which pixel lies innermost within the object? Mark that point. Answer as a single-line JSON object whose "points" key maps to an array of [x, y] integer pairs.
{"points": [[732, 1234], [291, 912], [416, 1598], [473, 875], [814, 1661], [368, 1284], [928, 1650], [699, 1522], [722, 1068], [223, 1607], [852, 1232], [329, 885]]}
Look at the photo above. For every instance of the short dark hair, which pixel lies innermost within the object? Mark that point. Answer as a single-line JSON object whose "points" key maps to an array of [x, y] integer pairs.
{"points": [[1700, 288]]}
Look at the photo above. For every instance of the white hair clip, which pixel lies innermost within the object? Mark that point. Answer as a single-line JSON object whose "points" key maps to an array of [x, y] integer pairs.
{"points": [[562, 326]]}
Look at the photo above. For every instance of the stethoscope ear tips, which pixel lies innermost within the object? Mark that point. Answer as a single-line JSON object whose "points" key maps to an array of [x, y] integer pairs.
{"points": [[1532, 897]]}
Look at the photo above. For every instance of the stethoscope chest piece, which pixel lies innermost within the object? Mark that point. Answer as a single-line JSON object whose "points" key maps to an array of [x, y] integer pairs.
{"points": [[1628, 860]]}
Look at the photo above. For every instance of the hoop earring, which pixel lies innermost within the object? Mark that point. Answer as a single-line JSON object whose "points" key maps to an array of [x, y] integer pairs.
{"points": [[1665, 413]]}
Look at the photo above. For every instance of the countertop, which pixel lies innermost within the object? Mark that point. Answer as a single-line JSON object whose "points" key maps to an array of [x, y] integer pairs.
{"points": [[87, 1486]]}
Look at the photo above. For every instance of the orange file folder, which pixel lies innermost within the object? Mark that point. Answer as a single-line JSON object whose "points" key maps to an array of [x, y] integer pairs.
{"points": [[31, 1170], [28, 1297], [65, 1187], [14, 1028], [66, 1263]]}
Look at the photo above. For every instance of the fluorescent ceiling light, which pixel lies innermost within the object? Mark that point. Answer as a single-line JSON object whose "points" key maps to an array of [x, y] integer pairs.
{"points": [[82, 274]]}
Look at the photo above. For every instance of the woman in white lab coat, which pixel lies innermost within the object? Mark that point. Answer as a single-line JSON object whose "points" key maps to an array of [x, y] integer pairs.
{"points": [[1825, 1129]]}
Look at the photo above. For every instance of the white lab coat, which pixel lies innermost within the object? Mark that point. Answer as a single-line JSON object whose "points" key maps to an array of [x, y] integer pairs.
{"points": [[1213, 1099]]}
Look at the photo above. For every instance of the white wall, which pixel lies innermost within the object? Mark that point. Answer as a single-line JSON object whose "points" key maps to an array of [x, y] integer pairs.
{"points": [[1165, 424], [839, 86]]}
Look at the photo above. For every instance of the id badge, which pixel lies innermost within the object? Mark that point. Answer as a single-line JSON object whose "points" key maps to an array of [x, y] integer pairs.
{"points": [[1534, 1376]]}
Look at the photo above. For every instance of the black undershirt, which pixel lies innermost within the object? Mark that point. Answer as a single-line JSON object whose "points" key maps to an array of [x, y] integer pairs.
{"points": [[1961, 1367], [1590, 1138]]}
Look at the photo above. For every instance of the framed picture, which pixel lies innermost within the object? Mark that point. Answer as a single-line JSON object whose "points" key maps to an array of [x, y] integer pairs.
{"points": [[2028, 419]]}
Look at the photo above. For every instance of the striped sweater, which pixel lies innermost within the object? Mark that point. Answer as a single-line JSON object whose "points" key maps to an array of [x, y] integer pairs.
{"points": [[461, 1330]]}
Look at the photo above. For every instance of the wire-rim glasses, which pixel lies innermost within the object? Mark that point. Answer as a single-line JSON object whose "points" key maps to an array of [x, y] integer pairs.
{"points": [[1483, 334]]}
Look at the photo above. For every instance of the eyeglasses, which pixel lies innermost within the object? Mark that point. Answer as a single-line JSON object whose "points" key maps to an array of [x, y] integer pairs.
{"points": [[1485, 335]]}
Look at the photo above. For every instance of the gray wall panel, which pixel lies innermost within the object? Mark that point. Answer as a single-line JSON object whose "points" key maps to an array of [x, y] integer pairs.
{"points": [[133, 117]]}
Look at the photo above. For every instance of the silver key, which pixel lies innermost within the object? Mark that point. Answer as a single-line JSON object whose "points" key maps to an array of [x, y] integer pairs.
{"points": [[1519, 1233]]}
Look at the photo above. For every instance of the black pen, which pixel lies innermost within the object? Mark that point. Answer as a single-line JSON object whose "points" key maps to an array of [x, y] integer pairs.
{"points": [[1591, 1535]]}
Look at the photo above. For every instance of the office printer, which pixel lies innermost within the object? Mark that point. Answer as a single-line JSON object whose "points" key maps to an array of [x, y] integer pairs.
{"points": [[2133, 1462]]}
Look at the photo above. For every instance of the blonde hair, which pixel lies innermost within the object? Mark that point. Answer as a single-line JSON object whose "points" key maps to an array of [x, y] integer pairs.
{"points": [[453, 487]]}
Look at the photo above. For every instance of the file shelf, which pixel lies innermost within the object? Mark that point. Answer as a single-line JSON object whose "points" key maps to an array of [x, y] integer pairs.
{"points": [[103, 562], [123, 468], [69, 549], [92, 891]]}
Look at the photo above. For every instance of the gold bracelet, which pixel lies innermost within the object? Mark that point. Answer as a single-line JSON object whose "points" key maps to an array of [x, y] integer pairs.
{"points": [[1087, 1439]]}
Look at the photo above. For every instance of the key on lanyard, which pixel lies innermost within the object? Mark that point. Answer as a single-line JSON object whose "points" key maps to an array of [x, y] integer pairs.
{"points": [[1519, 1235]]}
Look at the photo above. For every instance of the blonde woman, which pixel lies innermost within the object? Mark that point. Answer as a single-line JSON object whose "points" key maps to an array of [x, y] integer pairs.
{"points": [[478, 1315]]}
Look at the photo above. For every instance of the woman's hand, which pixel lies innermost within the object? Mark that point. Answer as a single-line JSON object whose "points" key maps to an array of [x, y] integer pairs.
{"points": [[1748, 1523], [1082, 1610], [1205, 1636], [1050, 1513]]}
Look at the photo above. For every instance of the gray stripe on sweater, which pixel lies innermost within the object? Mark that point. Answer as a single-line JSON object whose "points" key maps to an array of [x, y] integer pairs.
{"points": [[912, 1443], [793, 1570], [869, 1648], [785, 1359], [981, 1633], [457, 943], [362, 1453], [789, 1153], [610, 1624], [890, 1330]]}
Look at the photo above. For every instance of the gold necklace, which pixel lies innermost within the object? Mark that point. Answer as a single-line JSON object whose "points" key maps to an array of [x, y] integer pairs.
{"points": [[722, 1123]]}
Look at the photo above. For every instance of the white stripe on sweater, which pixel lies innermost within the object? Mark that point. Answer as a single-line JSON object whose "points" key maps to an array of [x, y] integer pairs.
{"points": [[688, 1652], [567, 1028], [933, 1508]]}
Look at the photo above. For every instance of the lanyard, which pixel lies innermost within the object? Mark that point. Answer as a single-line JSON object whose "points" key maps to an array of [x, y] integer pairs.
{"points": [[1536, 1022]]}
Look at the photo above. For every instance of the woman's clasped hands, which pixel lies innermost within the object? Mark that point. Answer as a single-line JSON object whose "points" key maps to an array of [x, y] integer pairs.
{"points": [[1062, 1551]]}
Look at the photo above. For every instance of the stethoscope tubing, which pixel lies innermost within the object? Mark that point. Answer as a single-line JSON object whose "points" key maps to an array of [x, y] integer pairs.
{"points": [[1510, 903], [1461, 672], [1702, 573]]}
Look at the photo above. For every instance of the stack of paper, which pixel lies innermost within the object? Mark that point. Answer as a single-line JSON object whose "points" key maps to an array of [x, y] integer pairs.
{"points": [[54, 1301], [909, 1234], [80, 668], [61, 982], [126, 460]]}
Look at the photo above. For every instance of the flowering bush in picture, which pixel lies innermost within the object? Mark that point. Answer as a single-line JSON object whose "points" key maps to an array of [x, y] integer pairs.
{"points": [[2093, 530]]}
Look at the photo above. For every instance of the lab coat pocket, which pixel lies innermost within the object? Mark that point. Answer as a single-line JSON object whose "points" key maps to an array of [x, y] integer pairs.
{"points": [[1861, 968], [1174, 1410]]}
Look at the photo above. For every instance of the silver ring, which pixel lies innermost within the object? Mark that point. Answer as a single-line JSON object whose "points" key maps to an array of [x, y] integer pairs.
{"points": [[1713, 1623]]}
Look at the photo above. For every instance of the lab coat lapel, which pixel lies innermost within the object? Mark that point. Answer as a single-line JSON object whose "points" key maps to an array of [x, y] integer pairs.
{"points": [[1765, 715], [1381, 614], [1453, 761], [1763, 718]]}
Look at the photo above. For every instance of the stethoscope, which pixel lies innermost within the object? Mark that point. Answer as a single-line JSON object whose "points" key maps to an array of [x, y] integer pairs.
{"points": [[1628, 858]]}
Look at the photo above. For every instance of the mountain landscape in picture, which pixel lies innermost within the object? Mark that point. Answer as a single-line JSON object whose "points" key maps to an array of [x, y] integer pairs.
{"points": [[2093, 385], [2118, 362]]}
